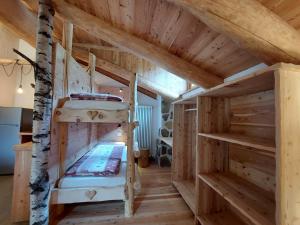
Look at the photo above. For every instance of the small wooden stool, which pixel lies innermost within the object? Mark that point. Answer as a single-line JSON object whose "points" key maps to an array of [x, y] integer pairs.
{"points": [[143, 160]]}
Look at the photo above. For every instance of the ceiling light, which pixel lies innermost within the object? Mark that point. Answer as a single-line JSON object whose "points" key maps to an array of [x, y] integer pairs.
{"points": [[20, 89]]}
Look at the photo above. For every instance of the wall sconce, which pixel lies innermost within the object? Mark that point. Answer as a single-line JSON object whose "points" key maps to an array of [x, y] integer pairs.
{"points": [[121, 90]]}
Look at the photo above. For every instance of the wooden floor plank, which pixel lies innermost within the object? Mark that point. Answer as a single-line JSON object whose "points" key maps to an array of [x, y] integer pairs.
{"points": [[158, 203]]}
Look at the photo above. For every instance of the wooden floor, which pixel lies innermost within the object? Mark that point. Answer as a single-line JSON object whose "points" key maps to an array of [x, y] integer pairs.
{"points": [[158, 203]]}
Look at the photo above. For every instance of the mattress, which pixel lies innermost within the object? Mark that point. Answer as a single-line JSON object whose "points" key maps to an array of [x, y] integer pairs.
{"points": [[96, 96], [91, 181], [95, 104]]}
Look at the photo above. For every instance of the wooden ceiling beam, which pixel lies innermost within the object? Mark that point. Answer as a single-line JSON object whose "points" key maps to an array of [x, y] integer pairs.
{"points": [[251, 25], [135, 45]]}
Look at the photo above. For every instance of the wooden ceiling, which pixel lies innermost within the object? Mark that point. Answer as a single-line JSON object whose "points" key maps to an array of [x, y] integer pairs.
{"points": [[171, 27], [176, 30]]}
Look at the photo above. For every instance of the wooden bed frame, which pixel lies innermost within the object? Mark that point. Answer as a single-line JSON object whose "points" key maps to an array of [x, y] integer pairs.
{"points": [[75, 131]]}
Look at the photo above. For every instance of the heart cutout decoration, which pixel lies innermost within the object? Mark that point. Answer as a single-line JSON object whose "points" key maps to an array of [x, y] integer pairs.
{"points": [[91, 194], [92, 114]]}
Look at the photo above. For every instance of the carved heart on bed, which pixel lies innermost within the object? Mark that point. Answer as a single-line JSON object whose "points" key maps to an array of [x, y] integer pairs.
{"points": [[91, 194], [92, 114]]}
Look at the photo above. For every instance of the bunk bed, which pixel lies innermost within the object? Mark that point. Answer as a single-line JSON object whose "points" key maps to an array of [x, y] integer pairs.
{"points": [[91, 169], [98, 174]]}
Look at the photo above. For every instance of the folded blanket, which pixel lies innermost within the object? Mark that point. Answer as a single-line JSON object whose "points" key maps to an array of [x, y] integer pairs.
{"points": [[103, 160], [99, 96]]}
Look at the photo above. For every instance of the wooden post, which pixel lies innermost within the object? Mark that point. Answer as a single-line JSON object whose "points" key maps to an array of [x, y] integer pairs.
{"points": [[129, 206], [39, 180], [92, 72], [67, 45]]}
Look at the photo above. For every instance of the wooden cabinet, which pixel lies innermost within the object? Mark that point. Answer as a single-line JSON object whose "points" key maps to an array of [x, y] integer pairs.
{"points": [[247, 149], [20, 200]]}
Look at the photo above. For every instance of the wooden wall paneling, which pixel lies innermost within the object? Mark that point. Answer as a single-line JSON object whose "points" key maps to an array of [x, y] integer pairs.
{"points": [[79, 79], [252, 166], [253, 115], [287, 94]]}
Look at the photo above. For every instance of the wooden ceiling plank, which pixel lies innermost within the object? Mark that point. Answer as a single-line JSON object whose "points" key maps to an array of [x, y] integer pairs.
{"points": [[137, 46], [254, 28], [144, 14], [127, 14], [96, 46]]}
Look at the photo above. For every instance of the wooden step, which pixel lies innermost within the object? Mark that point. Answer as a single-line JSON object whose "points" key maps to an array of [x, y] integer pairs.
{"points": [[251, 201]]}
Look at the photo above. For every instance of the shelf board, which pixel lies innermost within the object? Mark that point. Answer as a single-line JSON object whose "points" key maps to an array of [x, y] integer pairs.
{"points": [[254, 203], [186, 188], [254, 142], [221, 218]]}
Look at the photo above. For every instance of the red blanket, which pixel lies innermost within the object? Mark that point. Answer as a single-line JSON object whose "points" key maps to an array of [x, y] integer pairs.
{"points": [[100, 161]]}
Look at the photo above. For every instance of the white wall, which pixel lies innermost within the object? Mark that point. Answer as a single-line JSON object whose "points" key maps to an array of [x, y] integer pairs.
{"points": [[25, 99], [8, 41], [8, 85]]}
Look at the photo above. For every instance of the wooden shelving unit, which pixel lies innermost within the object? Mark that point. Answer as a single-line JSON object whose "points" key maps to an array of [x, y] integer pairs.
{"points": [[246, 161]]}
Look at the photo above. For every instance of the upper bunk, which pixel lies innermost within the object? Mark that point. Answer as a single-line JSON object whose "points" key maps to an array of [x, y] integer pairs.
{"points": [[94, 108]]}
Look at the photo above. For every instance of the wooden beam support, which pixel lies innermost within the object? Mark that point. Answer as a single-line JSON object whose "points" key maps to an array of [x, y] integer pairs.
{"points": [[135, 45], [97, 47], [67, 40], [92, 71], [129, 205], [251, 25]]}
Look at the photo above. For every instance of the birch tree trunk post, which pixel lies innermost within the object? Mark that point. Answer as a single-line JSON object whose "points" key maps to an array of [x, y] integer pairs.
{"points": [[39, 180]]}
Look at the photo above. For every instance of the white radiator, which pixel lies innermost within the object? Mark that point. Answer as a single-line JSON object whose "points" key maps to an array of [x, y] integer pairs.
{"points": [[143, 131]]}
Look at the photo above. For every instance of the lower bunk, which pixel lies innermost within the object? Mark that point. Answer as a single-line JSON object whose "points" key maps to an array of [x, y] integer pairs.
{"points": [[99, 175]]}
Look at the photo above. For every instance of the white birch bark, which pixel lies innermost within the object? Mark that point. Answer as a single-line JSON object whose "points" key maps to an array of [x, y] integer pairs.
{"points": [[39, 180]]}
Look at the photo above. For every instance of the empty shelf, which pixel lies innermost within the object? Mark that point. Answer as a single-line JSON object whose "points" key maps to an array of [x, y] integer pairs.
{"points": [[254, 142], [251, 201], [186, 188], [222, 218]]}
